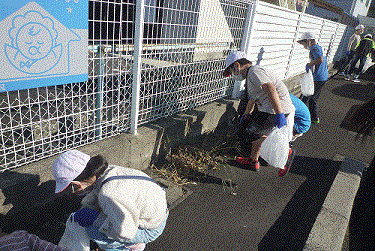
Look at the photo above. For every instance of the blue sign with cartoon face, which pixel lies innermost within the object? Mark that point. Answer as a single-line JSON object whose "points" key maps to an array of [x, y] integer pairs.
{"points": [[43, 43]]}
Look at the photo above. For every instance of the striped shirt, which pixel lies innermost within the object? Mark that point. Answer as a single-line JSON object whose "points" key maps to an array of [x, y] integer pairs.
{"points": [[23, 241]]}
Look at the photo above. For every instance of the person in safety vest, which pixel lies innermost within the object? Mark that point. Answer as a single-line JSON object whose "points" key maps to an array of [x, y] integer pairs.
{"points": [[352, 45], [364, 49]]}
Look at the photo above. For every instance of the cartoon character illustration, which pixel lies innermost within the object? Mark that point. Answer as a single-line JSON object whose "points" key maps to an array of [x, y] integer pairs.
{"points": [[33, 48]]}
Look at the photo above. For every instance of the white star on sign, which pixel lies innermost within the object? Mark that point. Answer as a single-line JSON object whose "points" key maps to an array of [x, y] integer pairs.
{"points": [[69, 10]]}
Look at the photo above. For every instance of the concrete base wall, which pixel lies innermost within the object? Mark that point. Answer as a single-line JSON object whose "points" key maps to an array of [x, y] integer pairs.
{"points": [[134, 151]]}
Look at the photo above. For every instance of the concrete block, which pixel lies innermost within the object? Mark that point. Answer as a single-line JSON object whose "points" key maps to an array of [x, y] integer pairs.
{"points": [[134, 151], [29, 176], [353, 167], [340, 197], [174, 129], [327, 233], [216, 112]]}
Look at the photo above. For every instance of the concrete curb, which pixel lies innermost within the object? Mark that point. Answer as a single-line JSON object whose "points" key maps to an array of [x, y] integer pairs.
{"points": [[329, 229]]}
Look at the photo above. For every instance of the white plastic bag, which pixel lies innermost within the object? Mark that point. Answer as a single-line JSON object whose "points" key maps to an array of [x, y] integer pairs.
{"points": [[307, 84], [368, 64], [75, 237], [275, 148], [357, 64]]}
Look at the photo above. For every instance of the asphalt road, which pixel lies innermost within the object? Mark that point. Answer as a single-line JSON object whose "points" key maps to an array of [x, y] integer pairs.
{"points": [[269, 212]]}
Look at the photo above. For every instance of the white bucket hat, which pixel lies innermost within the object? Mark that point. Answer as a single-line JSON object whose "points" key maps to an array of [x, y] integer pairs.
{"points": [[67, 167], [231, 59], [305, 36]]}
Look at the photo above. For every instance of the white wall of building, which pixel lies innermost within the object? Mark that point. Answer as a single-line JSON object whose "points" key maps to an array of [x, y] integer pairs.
{"points": [[360, 7], [352, 7]]}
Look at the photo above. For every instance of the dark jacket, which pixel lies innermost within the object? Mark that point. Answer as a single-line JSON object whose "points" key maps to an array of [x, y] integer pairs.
{"points": [[365, 47]]}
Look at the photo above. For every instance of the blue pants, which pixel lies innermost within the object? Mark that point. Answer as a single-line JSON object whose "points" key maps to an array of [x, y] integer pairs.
{"points": [[142, 236], [312, 100]]}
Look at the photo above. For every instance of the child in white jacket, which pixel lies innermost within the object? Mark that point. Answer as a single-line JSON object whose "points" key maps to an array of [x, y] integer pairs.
{"points": [[123, 208]]}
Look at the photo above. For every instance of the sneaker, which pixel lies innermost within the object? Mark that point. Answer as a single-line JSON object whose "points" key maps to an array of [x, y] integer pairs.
{"points": [[288, 164], [355, 79], [315, 121], [347, 77], [295, 136], [251, 164], [137, 247]]}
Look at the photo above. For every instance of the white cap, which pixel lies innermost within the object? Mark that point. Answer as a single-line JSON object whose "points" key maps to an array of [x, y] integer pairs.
{"points": [[231, 59], [359, 27], [67, 167], [306, 35]]}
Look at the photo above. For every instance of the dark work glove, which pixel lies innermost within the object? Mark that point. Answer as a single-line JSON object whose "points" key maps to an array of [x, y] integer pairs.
{"points": [[244, 118], [85, 216], [307, 67], [280, 120]]}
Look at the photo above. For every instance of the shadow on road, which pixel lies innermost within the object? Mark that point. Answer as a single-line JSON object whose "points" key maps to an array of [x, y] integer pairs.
{"points": [[292, 228], [355, 91], [34, 206], [361, 225]]}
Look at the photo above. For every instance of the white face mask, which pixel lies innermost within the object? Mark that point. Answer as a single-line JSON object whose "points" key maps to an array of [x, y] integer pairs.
{"points": [[238, 77]]}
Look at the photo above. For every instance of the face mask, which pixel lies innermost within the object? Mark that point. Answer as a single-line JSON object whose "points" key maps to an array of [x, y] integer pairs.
{"points": [[84, 189], [238, 77], [308, 45]]}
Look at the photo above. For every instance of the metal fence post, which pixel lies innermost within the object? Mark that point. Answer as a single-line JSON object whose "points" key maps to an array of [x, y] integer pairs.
{"points": [[321, 30], [99, 93], [137, 66], [331, 44], [249, 25], [245, 43]]}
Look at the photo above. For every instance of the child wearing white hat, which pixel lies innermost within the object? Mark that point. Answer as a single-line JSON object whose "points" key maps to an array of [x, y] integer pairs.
{"points": [[318, 66], [123, 208], [271, 98]]}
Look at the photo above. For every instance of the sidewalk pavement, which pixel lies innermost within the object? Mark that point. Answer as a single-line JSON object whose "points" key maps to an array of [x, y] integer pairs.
{"points": [[308, 209]]}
